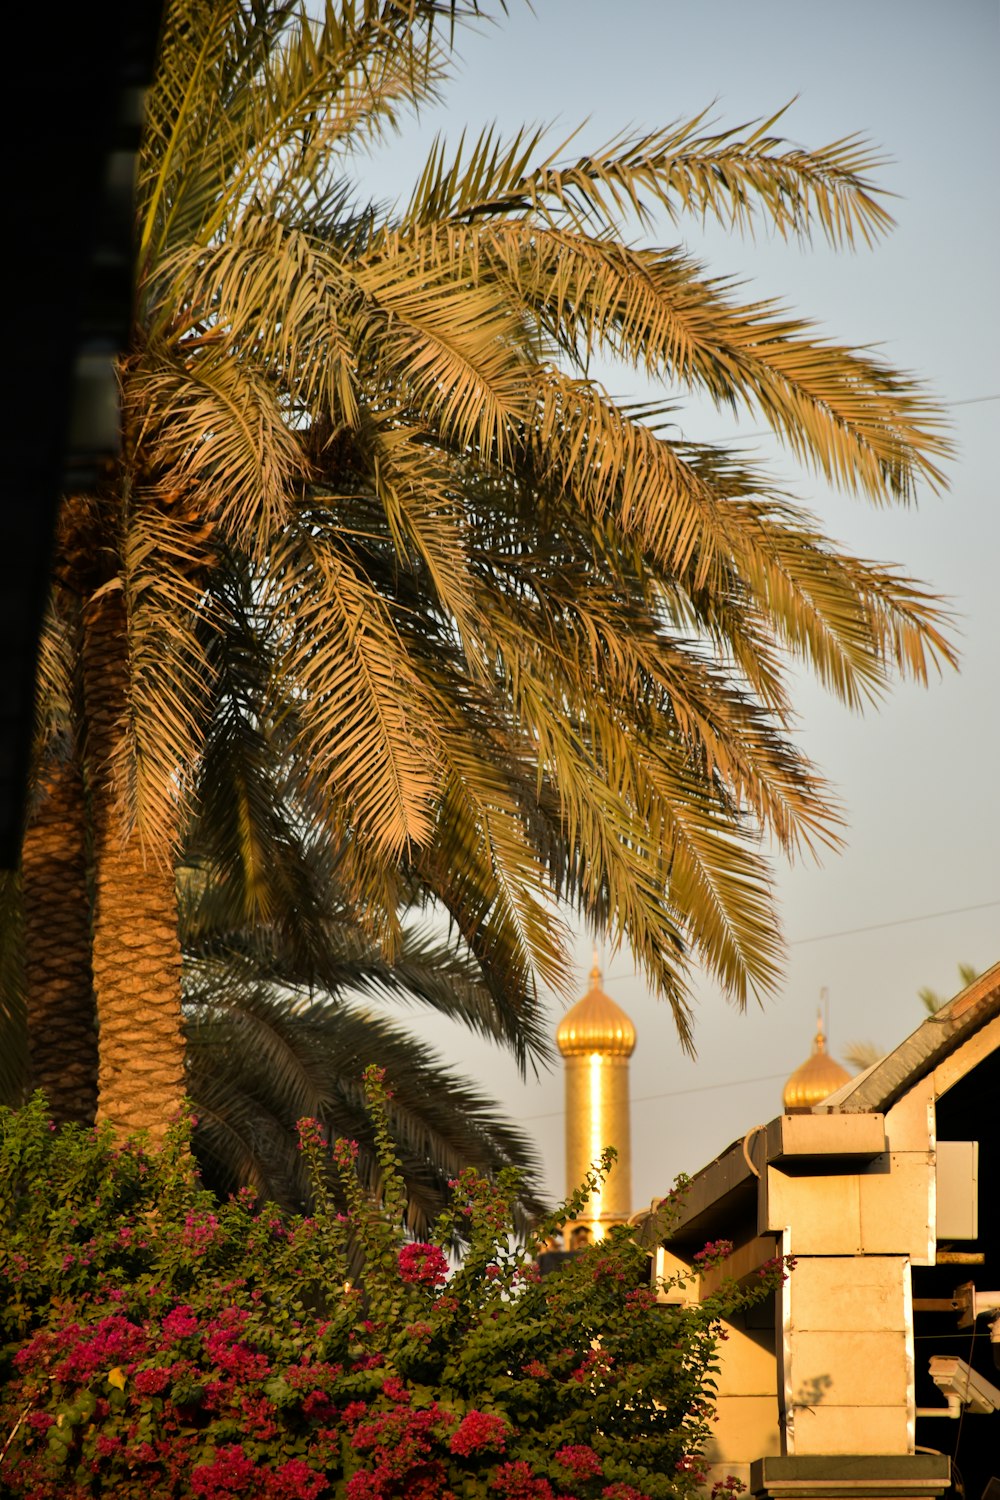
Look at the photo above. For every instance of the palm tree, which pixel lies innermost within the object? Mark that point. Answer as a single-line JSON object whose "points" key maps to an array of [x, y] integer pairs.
{"points": [[863, 1055], [283, 981], [930, 998], [262, 1055], [277, 969], [536, 644]]}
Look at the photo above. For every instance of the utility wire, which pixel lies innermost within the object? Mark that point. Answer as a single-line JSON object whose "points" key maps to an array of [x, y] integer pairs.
{"points": [[965, 401], [930, 916], [701, 1088], [822, 937]]}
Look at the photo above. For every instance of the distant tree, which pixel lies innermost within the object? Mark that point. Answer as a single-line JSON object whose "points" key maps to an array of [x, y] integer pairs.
{"points": [[932, 1001], [862, 1055]]}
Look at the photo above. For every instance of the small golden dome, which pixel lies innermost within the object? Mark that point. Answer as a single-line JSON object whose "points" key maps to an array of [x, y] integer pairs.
{"points": [[596, 1024], [817, 1078]]}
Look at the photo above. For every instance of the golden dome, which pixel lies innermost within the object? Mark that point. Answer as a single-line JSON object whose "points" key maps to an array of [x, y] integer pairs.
{"points": [[596, 1024], [817, 1078]]}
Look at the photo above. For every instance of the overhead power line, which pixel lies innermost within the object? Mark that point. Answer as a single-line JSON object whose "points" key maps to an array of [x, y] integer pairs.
{"points": [[931, 916], [964, 401], [821, 937], [700, 1088]]}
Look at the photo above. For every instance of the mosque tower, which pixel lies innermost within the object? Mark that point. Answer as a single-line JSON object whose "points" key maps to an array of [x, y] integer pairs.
{"points": [[596, 1039], [818, 1077]]}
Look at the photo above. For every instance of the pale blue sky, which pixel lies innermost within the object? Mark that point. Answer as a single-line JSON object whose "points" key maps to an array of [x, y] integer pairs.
{"points": [[919, 779]]}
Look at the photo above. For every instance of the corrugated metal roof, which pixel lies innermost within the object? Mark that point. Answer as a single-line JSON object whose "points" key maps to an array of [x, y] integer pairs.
{"points": [[879, 1087]]}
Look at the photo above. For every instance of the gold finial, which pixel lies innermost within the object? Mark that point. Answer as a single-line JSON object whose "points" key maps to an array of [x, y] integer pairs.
{"points": [[595, 1023], [818, 1077]]}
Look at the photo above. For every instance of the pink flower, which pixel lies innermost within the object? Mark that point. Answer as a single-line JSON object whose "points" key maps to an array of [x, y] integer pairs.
{"points": [[374, 1077], [608, 1269], [579, 1461], [111, 1341], [477, 1431], [311, 1134], [200, 1232], [423, 1265], [296, 1481], [180, 1323], [345, 1153], [318, 1407], [714, 1252], [515, 1481], [231, 1473], [596, 1363], [778, 1266]]}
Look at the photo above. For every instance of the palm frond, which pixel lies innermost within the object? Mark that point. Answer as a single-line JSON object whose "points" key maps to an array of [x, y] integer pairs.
{"points": [[214, 429], [363, 728], [732, 176], [169, 680], [257, 1062]]}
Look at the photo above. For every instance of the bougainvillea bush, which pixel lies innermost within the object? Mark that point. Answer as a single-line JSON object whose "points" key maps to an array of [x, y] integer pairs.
{"points": [[157, 1343]]}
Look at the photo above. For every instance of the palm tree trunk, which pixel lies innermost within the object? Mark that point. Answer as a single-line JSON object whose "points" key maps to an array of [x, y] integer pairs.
{"points": [[136, 947], [62, 1032]]}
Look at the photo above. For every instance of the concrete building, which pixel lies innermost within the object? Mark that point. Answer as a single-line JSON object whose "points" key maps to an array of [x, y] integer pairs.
{"points": [[871, 1373]]}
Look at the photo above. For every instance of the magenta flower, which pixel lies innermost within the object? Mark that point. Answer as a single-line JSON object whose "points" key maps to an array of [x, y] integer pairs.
{"points": [[423, 1265], [579, 1461], [296, 1481], [714, 1252], [180, 1323], [515, 1481], [231, 1473], [479, 1430], [200, 1232], [311, 1134], [345, 1153]]}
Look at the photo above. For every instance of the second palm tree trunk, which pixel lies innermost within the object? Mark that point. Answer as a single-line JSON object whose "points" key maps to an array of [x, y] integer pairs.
{"points": [[136, 948]]}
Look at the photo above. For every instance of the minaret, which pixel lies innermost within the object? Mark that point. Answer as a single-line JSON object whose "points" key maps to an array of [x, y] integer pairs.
{"points": [[818, 1077], [596, 1038]]}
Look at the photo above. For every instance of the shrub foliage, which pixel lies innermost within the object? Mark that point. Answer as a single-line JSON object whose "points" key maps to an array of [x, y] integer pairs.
{"points": [[157, 1343]]}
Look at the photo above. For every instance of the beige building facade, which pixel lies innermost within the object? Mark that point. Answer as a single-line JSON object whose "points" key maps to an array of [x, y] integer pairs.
{"points": [[870, 1372]]}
